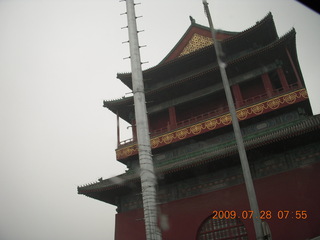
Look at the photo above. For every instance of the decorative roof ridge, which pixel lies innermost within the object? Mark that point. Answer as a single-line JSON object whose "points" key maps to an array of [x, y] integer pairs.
{"points": [[185, 34], [214, 66], [288, 35], [118, 100], [116, 180], [127, 74], [123, 73], [268, 17], [295, 128], [193, 23]]}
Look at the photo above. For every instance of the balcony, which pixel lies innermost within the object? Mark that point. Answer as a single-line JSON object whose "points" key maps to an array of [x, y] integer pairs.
{"points": [[213, 113]]}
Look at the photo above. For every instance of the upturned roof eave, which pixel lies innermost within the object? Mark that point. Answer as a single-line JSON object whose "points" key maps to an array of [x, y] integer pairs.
{"points": [[292, 130], [288, 38], [282, 40], [114, 102], [193, 25], [270, 46], [125, 76]]}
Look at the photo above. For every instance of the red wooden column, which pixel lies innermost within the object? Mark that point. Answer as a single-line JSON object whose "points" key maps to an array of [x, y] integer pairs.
{"points": [[283, 79], [172, 117], [267, 84], [237, 95]]}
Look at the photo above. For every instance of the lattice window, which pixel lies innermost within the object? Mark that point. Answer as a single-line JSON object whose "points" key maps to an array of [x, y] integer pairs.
{"points": [[222, 229]]}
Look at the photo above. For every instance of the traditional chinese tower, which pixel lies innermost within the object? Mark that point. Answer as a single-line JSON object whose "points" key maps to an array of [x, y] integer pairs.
{"points": [[194, 150]]}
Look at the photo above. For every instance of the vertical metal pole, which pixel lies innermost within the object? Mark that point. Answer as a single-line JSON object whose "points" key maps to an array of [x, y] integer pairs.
{"points": [[148, 178], [237, 132], [118, 130]]}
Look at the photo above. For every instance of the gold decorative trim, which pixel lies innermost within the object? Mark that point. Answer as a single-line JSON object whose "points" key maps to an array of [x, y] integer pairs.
{"points": [[196, 42], [218, 121]]}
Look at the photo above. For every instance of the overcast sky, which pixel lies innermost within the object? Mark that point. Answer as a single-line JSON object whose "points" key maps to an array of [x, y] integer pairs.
{"points": [[58, 62]]}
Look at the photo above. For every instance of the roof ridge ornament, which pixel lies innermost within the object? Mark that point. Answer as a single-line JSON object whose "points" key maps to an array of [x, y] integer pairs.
{"points": [[193, 21]]}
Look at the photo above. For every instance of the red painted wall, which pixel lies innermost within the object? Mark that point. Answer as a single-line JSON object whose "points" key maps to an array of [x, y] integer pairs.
{"points": [[197, 108], [159, 120], [252, 88], [296, 190]]}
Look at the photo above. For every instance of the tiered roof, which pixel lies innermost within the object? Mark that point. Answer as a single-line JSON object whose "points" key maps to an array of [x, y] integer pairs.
{"points": [[131, 180], [241, 50], [241, 47]]}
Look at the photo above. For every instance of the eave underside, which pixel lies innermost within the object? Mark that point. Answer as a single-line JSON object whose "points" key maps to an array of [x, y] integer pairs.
{"points": [[302, 131], [124, 107], [264, 30]]}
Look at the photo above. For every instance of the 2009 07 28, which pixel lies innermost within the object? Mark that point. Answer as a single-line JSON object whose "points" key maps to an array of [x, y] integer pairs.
{"points": [[264, 214]]}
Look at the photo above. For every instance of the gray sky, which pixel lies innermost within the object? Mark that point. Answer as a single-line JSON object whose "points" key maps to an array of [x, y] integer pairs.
{"points": [[58, 62]]}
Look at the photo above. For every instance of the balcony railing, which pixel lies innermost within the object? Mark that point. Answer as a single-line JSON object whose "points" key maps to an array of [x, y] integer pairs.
{"points": [[212, 113]]}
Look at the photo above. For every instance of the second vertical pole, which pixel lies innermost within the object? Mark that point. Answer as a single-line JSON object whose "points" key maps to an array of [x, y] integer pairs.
{"points": [[237, 132]]}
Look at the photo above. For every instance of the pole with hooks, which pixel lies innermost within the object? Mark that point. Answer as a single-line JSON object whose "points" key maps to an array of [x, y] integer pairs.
{"points": [[147, 175]]}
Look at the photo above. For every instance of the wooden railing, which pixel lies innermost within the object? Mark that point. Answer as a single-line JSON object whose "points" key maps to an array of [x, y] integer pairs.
{"points": [[127, 141], [212, 113]]}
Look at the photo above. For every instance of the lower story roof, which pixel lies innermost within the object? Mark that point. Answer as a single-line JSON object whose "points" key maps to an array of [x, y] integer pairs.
{"points": [[124, 182]]}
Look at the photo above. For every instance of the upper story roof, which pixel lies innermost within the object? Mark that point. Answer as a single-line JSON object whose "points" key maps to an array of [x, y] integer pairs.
{"points": [[197, 40], [207, 67], [196, 37], [194, 54]]}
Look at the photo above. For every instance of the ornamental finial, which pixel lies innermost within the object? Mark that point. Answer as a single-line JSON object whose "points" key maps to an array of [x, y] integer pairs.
{"points": [[193, 21]]}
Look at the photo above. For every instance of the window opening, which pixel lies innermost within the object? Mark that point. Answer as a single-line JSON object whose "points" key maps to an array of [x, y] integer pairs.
{"points": [[222, 229]]}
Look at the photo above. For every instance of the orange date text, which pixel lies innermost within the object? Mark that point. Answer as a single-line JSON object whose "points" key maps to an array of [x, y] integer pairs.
{"points": [[263, 214]]}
